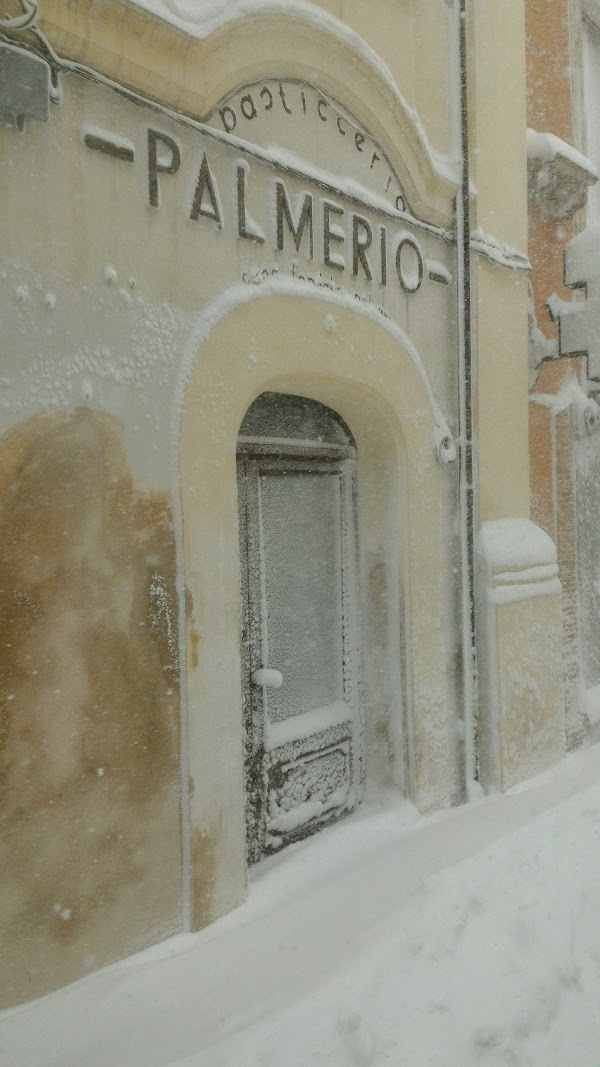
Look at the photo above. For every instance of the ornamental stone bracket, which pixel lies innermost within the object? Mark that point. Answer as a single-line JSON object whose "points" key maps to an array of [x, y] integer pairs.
{"points": [[558, 176], [579, 319]]}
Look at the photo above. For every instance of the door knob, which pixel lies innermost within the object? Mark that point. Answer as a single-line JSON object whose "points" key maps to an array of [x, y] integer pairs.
{"points": [[268, 677]]}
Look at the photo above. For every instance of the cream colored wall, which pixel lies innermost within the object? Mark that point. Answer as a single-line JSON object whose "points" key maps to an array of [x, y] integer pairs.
{"points": [[497, 123], [521, 701], [415, 39], [502, 390], [531, 723], [497, 119], [523, 720]]}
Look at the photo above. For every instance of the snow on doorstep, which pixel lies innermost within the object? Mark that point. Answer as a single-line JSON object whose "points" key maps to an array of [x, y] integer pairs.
{"points": [[466, 939], [285, 821]]}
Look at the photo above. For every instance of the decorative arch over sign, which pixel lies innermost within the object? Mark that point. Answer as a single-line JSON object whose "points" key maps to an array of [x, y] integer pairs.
{"points": [[191, 68], [299, 126], [277, 45]]}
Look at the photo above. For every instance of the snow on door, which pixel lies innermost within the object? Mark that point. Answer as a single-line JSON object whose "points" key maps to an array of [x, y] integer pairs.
{"points": [[299, 630]]}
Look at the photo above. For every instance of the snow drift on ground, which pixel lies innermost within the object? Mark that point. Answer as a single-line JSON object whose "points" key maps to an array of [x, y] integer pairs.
{"points": [[467, 938]]}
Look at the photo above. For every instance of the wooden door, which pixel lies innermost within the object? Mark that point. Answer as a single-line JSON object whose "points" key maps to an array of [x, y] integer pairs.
{"points": [[300, 640]]}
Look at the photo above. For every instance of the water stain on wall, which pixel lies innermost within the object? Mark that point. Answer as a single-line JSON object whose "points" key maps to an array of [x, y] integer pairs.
{"points": [[89, 694], [202, 864]]}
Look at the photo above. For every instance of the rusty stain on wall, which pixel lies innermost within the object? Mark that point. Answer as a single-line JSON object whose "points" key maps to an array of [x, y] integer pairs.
{"points": [[202, 862], [193, 637], [89, 693], [194, 640]]}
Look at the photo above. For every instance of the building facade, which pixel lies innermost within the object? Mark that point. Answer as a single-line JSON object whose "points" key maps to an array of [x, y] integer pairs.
{"points": [[267, 547], [563, 68]]}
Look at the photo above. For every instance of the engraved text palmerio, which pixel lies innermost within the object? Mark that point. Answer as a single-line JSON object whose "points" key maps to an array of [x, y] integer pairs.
{"points": [[331, 229]]}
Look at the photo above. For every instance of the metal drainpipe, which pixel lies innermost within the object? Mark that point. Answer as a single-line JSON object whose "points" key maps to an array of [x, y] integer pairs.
{"points": [[467, 456]]}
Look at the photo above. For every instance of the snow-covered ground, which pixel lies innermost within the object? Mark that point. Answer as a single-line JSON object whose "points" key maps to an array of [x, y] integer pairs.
{"points": [[466, 938]]}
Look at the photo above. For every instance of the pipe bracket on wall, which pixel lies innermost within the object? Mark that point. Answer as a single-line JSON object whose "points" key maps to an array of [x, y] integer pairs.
{"points": [[445, 446]]}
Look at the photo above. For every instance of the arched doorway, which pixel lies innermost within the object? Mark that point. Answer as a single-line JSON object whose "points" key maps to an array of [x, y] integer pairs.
{"points": [[300, 634], [362, 369]]}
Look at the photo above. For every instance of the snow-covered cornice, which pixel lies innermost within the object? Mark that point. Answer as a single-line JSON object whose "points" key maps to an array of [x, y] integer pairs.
{"points": [[558, 176], [189, 64]]}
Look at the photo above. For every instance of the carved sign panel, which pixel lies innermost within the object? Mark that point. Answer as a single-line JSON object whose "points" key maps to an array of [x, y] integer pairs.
{"points": [[328, 196], [301, 126]]}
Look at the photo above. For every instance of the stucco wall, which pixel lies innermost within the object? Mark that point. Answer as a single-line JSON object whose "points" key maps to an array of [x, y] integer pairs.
{"points": [[111, 301], [89, 681], [141, 323]]}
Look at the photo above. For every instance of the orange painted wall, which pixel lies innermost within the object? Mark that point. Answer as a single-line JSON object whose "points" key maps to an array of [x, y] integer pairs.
{"points": [[549, 110]]}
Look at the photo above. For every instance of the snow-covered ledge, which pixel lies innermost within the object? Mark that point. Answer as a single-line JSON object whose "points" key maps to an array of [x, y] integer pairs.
{"points": [[558, 176], [522, 716], [521, 560]]}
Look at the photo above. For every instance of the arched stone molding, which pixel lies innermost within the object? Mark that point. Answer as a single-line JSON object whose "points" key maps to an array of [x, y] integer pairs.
{"points": [[191, 74], [343, 358]]}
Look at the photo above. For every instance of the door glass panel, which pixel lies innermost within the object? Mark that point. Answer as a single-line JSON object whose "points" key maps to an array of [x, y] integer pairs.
{"points": [[277, 415], [300, 521]]}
